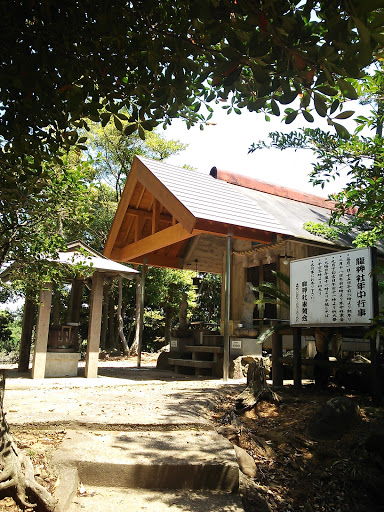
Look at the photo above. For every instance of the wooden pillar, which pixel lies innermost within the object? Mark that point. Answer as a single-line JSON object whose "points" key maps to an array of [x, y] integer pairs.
{"points": [[141, 317], [75, 301], [26, 335], [95, 313], [42, 331], [297, 357], [377, 392], [227, 308], [277, 354], [375, 368]]}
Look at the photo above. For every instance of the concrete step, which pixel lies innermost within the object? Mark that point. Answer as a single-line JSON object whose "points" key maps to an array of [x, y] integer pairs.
{"points": [[104, 499], [183, 459]]}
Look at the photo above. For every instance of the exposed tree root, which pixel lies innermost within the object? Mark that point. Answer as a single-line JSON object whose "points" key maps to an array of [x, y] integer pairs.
{"points": [[257, 388], [17, 474]]}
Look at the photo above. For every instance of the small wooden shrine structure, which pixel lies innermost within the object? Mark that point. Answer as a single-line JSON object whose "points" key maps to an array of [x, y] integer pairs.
{"points": [[56, 350], [222, 223]]}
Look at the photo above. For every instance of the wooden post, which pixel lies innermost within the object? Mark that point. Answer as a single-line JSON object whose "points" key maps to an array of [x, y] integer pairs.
{"points": [[42, 331], [95, 313], [297, 357], [375, 339], [277, 353], [26, 335], [75, 301], [142, 295], [227, 281]]}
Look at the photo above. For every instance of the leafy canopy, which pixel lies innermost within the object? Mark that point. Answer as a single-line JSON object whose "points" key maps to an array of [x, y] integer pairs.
{"points": [[65, 62], [360, 158]]}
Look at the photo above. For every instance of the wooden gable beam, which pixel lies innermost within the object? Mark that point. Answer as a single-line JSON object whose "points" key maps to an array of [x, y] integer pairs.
{"points": [[164, 196], [120, 212], [159, 261], [148, 215], [155, 216], [163, 238]]}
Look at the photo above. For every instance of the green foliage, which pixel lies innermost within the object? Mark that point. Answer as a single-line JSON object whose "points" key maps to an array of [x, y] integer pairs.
{"points": [[116, 151], [208, 300], [10, 331], [33, 211], [360, 157], [137, 65], [65, 63], [322, 229], [273, 294]]}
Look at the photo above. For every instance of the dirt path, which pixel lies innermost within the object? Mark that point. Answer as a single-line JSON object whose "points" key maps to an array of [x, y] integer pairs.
{"points": [[295, 472]]}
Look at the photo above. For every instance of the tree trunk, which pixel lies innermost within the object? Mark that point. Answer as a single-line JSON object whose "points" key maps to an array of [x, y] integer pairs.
{"points": [[168, 324], [111, 330], [257, 388], [120, 319], [17, 474], [133, 351]]}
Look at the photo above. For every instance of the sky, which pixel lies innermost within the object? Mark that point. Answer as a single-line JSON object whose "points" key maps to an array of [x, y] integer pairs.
{"points": [[226, 145]]}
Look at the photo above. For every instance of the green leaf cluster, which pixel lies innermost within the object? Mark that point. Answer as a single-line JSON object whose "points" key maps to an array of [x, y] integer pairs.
{"points": [[322, 229]]}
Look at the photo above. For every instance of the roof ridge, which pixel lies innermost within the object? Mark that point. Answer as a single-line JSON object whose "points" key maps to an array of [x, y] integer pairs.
{"points": [[276, 190]]}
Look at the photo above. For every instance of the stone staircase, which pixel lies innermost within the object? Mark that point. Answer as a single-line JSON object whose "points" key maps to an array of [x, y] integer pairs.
{"points": [[203, 356]]}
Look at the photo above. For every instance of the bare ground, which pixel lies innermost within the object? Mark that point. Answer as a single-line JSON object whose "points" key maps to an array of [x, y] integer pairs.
{"points": [[298, 473], [294, 472]]}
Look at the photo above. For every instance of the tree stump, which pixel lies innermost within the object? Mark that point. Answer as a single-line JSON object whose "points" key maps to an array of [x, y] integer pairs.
{"points": [[257, 388], [17, 475]]}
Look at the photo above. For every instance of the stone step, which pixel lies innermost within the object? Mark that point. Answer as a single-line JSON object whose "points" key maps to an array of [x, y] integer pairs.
{"points": [[103, 499], [200, 460], [191, 363], [204, 348]]}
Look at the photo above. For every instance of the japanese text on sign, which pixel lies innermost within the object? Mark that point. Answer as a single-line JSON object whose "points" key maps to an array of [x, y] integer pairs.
{"points": [[333, 289]]}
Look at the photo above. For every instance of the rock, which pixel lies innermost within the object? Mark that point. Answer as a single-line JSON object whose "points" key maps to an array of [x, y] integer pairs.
{"points": [[334, 418], [228, 431], [246, 463], [162, 360], [103, 354], [238, 368]]}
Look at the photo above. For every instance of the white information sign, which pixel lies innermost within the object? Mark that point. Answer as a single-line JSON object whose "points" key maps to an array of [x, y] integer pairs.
{"points": [[335, 289]]}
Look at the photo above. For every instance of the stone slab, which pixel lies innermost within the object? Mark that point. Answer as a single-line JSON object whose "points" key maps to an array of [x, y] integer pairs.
{"points": [[159, 460], [103, 499], [62, 364]]}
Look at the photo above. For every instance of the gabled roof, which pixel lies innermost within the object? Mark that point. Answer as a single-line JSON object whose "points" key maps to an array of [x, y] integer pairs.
{"points": [[162, 206], [78, 252], [165, 212]]}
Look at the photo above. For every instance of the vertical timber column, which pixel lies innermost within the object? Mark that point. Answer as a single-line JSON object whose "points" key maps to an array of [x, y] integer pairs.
{"points": [[377, 392], [142, 295], [227, 308], [42, 331], [297, 372], [26, 335], [95, 313], [277, 354]]}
